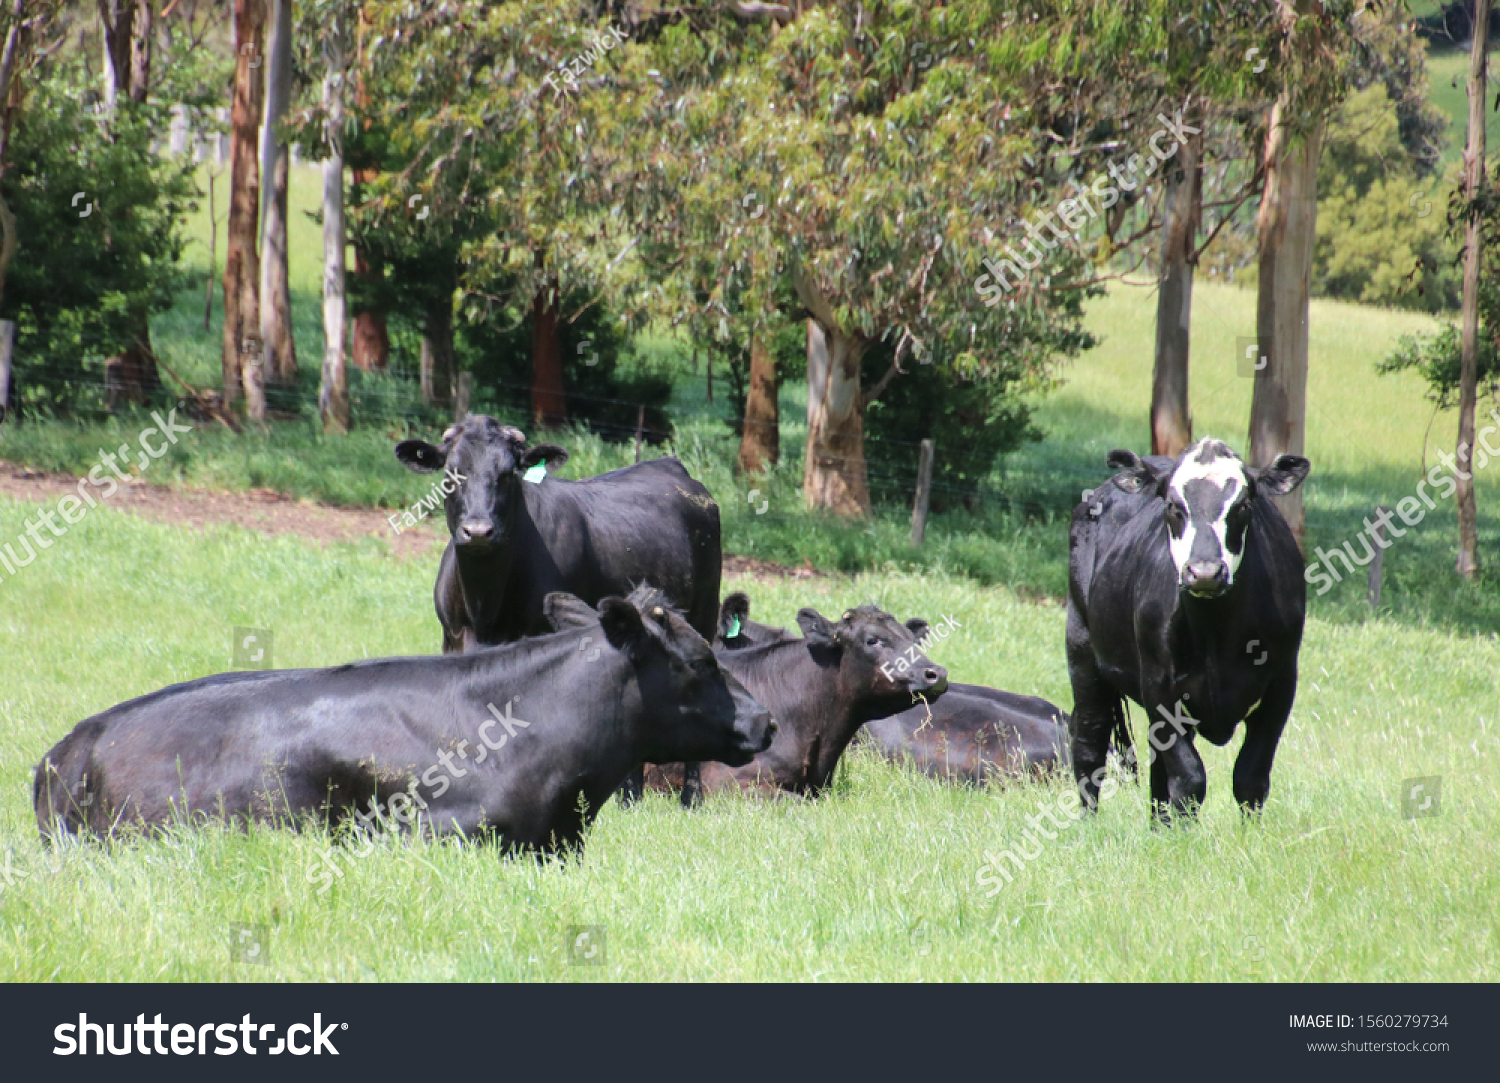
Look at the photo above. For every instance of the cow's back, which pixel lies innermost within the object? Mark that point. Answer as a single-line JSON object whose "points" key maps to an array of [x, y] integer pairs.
{"points": [[649, 523]]}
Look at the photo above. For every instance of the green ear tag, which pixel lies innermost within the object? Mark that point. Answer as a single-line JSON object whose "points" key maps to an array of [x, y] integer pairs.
{"points": [[535, 474], [734, 628]]}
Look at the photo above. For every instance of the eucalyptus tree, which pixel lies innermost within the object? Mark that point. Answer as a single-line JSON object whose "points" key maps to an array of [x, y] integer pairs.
{"points": [[870, 154], [1309, 55]]}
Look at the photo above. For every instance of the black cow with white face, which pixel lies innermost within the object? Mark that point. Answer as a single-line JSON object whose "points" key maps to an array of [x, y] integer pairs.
{"points": [[1185, 593], [513, 540]]}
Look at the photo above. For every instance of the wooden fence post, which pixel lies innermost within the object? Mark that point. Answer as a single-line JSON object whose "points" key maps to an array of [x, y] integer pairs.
{"points": [[924, 493], [640, 423], [1377, 565]]}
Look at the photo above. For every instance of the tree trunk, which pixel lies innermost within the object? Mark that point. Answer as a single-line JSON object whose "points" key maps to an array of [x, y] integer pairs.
{"points": [[760, 445], [275, 165], [549, 407], [242, 349], [9, 57], [1171, 417], [7, 352], [116, 25], [140, 56], [333, 392], [1286, 225], [372, 340], [437, 353], [1468, 512], [8, 239], [834, 472], [131, 376], [126, 29]]}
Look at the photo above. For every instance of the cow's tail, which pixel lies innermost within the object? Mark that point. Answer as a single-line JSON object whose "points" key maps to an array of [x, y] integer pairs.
{"points": [[61, 792], [1120, 731]]}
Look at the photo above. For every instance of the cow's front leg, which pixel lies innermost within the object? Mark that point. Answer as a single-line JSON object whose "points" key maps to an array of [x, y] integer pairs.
{"points": [[634, 785], [1178, 781], [1252, 767], [692, 785], [1094, 707]]}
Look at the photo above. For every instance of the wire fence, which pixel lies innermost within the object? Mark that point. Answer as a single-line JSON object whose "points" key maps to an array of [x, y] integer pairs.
{"points": [[393, 400]]}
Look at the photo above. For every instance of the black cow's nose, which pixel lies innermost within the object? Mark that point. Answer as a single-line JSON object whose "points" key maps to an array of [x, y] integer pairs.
{"points": [[1205, 576], [474, 530], [931, 679]]}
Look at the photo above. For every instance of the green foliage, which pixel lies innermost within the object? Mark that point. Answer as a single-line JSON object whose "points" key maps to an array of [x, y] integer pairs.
{"points": [[495, 343], [1382, 238], [974, 408], [80, 282], [1437, 359]]}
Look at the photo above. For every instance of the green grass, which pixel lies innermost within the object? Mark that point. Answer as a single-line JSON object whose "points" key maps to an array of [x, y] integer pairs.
{"points": [[875, 881], [1448, 75]]}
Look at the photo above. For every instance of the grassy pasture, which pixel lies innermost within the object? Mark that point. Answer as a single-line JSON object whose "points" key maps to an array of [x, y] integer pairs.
{"points": [[876, 881]]}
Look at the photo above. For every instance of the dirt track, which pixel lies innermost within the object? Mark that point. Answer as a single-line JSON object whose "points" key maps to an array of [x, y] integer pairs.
{"points": [[272, 513]]}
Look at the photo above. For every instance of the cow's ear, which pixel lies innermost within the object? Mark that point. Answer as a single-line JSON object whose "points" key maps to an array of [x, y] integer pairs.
{"points": [[622, 625], [421, 456], [550, 454], [917, 627], [1135, 474], [734, 611], [817, 629], [564, 611], [1283, 475]]}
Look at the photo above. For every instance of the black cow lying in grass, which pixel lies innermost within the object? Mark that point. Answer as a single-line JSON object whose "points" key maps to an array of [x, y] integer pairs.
{"points": [[512, 542], [820, 689], [976, 735], [972, 734], [1185, 593], [522, 742]]}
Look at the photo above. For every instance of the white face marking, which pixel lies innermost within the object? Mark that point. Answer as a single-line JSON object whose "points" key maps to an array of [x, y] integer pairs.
{"points": [[1226, 473]]}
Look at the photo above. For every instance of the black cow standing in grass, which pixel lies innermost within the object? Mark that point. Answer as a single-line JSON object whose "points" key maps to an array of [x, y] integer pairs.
{"points": [[1185, 593], [973, 734], [522, 743], [512, 542]]}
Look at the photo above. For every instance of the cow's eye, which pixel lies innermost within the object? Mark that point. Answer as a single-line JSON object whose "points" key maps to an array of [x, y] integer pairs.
{"points": [[872, 642]]}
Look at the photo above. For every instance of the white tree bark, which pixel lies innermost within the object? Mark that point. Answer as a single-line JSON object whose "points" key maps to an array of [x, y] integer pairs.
{"points": [[1287, 224], [333, 395], [1468, 511], [275, 289], [833, 474]]}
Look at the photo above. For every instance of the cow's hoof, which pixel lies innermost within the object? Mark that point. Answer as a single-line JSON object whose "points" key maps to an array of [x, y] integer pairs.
{"points": [[631, 789], [692, 785]]}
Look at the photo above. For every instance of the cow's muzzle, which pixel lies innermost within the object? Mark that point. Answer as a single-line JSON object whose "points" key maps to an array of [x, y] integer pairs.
{"points": [[755, 733], [1206, 578], [474, 534], [929, 681]]}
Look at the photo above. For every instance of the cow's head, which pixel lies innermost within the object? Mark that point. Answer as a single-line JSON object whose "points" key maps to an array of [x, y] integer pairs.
{"points": [[880, 660], [695, 709], [1208, 494], [484, 461]]}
